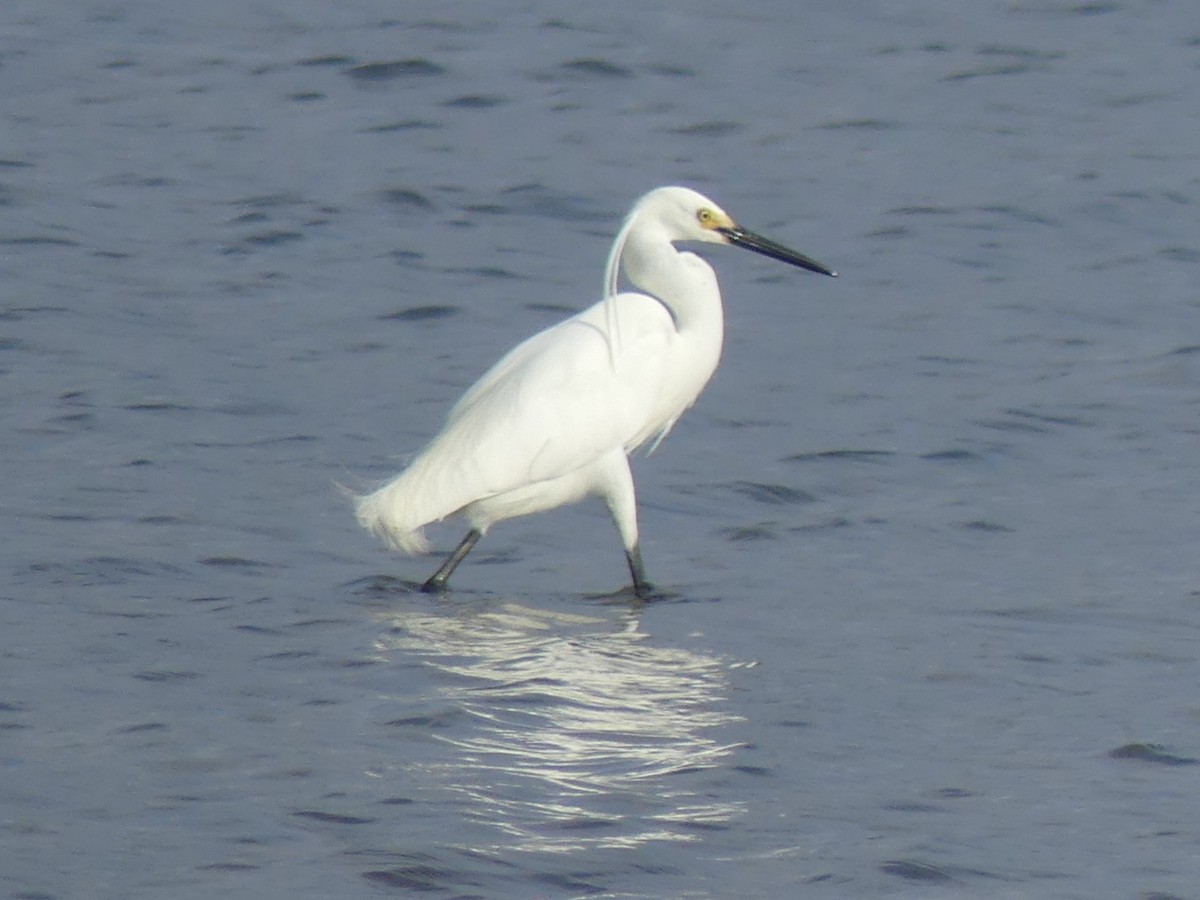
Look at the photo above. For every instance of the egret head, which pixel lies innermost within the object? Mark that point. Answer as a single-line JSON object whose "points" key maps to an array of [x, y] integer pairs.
{"points": [[684, 214], [687, 215], [693, 217]]}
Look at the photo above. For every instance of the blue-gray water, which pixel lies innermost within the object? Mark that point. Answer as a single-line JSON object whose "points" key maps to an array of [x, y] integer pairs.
{"points": [[931, 532]]}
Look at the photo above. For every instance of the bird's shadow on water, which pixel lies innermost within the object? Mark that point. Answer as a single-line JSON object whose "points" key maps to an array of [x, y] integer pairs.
{"points": [[574, 726]]}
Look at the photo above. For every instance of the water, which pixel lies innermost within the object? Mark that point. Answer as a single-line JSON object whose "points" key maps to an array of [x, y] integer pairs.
{"points": [[931, 531]]}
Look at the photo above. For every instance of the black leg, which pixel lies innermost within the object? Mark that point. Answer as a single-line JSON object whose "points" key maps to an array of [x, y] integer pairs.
{"points": [[641, 586], [437, 581]]}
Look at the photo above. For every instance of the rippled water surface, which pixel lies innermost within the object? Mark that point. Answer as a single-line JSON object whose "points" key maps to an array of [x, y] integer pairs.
{"points": [[929, 539]]}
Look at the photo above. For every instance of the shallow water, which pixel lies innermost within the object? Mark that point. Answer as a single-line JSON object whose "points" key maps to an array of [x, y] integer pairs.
{"points": [[928, 537]]}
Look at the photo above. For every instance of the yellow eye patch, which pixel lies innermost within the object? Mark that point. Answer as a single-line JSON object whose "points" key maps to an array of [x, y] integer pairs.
{"points": [[711, 219]]}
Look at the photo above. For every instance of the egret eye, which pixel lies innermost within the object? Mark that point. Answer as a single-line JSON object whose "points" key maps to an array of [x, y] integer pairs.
{"points": [[706, 218]]}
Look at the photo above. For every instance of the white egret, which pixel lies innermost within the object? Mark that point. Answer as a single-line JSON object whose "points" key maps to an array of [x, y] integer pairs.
{"points": [[556, 418]]}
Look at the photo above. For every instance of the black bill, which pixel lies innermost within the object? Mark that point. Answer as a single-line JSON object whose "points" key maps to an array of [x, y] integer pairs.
{"points": [[740, 237]]}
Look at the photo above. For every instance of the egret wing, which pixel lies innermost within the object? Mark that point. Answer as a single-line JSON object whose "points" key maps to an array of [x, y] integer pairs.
{"points": [[556, 402]]}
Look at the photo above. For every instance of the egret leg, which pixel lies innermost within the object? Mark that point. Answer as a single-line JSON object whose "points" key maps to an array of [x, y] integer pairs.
{"points": [[437, 581], [641, 587], [616, 486]]}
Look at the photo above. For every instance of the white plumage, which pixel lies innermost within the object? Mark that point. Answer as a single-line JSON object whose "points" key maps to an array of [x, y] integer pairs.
{"points": [[554, 420]]}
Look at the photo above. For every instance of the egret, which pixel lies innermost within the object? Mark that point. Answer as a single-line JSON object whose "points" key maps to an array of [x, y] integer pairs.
{"points": [[554, 421]]}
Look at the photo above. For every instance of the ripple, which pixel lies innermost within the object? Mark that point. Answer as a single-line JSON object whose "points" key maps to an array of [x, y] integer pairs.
{"points": [[1048, 418], [859, 125], [38, 240], [273, 238], [158, 406], [924, 211], [163, 675], [475, 101], [1180, 254], [380, 72], [707, 129], [1094, 9], [428, 313], [672, 71], [1035, 422], [841, 454], [953, 456], [986, 526], [317, 815], [103, 570], [750, 533], [228, 867], [414, 878], [235, 562], [1020, 52], [402, 125], [382, 587], [481, 271], [331, 60], [989, 72], [1151, 753], [406, 198], [772, 494], [1019, 214], [544, 202], [915, 871], [596, 67]]}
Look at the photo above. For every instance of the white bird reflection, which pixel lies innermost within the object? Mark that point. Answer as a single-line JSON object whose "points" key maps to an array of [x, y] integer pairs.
{"points": [[582, 732]]}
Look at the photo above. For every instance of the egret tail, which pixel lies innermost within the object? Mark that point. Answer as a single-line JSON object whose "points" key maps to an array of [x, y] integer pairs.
{"points": [[374, 513]]}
